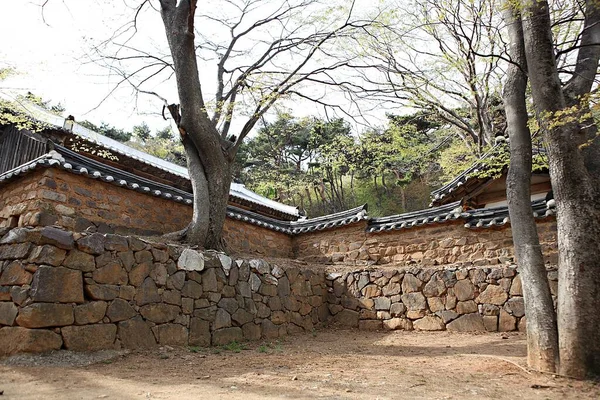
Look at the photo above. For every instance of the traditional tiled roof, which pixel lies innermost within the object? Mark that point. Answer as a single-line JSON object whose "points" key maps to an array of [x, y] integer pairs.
{"points": [[75, 163], [480, 218], [434, 215], [468, 180], [498, 216], [338, 219], [461, 180], [238, 192]]}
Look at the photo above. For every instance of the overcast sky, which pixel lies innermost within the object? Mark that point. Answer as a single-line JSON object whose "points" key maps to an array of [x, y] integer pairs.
{"points": [[50, 49]]}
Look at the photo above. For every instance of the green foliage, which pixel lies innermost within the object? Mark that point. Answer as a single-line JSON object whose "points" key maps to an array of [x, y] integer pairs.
{"points": [[499, 160], [455, 159], [322, 168], [234, 346], [142, 132], [108, 130]]}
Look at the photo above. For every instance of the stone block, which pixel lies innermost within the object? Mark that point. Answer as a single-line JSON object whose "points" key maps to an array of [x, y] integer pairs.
{"points": [[92, 244], [89, 337], [493, 294], [447, 315], [370, 325], [120, 310], [21, 235], [411, 283], [160, 313], [19, 294], [199, 334], [127, 259], [57, 237], [382, 303], [435, 304], [251, 331], [467, 323], [8, 313], [136, 334], [15, 340], [191, 289], [397, 309], [271, 331], [159, 274], [136, 244], [429, 323], [414, 301], [41, 315], [209, 281], [60, 284], [90, 313], [464, 290], [48, 255], [15, 274], [190, 260], [14, 251], [434, 288], [515, 306], [491, 323], [225, 336], [506, 322], [228, 304], [222, 319], [102, 292], [172, 334], [241, 317], [398, 323], [516, 289], [80, 260], [347, 318], [111, 274], [147, 293], [173, 297], [116, 243], [160, 256], [466, 307], [139, 273]]}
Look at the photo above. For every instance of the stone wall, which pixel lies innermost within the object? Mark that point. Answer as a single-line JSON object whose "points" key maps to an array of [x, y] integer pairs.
{"points": [[56, 197], [83, 291], [428, 245], [455, 299]]}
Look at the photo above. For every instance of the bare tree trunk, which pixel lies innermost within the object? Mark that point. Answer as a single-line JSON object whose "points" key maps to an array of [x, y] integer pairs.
{"points": [[403, 198], [542, 334], [210, 163], [577, 203]]}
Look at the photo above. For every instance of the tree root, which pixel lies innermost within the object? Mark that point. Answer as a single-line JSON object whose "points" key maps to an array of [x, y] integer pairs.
{"points": [[177, 236]]}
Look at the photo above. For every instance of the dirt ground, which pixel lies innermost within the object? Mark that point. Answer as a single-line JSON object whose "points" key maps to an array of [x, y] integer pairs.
{"points": [[329, 364]]}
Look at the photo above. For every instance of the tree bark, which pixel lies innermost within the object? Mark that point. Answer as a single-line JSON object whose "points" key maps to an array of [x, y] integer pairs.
{"points": [[577, 204], [210, 170], [542, 335]]}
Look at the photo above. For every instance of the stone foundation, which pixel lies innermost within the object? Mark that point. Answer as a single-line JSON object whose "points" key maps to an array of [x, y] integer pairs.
{"points": [[463, 299], [95, 291]]}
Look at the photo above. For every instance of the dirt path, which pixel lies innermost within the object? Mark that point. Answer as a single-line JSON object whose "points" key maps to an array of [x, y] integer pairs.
{"points": [[332, 364]]}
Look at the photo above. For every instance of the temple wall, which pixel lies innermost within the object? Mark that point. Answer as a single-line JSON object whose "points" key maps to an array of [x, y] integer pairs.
{"points": [[86, 292], [449, 243], [78, 203]]}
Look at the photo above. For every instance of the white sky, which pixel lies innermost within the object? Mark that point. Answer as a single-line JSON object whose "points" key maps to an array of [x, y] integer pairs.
{"points": [[48, 57], [48, 50]]}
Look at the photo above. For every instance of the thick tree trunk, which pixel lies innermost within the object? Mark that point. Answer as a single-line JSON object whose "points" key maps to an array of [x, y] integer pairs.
{"points": [[211, 169], [577, 204], [542, 335]]}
